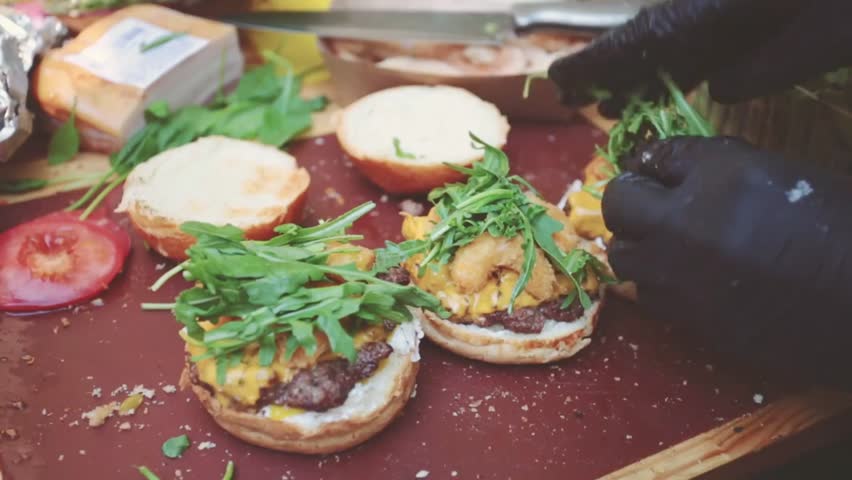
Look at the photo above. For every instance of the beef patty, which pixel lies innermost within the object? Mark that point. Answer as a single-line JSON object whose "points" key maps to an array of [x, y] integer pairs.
{"points": [[530, 319], [327, 384]]}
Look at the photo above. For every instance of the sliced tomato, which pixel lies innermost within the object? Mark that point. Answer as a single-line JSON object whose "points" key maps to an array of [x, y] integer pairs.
{"points": [[59, 260]]}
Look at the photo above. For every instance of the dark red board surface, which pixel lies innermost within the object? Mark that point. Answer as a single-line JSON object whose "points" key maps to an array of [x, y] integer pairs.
{"points": [[637, 389]]}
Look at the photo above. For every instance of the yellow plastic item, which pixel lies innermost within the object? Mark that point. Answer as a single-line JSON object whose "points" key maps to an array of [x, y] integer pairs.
{"points": [[300, 49]]}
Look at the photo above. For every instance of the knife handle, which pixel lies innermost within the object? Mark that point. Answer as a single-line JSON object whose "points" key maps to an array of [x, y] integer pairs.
{"points": [[577, 15]]}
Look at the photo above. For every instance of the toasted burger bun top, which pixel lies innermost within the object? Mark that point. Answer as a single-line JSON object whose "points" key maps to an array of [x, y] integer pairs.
{"points": [[217, 180], [430, 123]]}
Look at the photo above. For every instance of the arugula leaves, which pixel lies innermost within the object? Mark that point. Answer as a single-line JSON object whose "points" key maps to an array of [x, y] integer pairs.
{"points": [[494, 202], [147, 473], [145, 47], [397, 147], [264, 107], [175, 446], [65, 142], [22, 185], [284, 286], [645, 120]]}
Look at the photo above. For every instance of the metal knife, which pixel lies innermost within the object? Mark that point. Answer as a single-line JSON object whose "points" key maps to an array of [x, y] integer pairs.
{"points": [[583, 17]]}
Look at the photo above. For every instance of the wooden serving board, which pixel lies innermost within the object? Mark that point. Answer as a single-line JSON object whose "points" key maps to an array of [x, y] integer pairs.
{"points": [[641, 402]]}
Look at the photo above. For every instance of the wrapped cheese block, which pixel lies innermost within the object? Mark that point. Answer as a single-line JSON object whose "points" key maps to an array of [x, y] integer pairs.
{"points": [[122, 63]]}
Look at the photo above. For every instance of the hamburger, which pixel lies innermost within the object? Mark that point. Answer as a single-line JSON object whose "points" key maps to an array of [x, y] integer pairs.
{"points": [[519, 284], [298, 343]]}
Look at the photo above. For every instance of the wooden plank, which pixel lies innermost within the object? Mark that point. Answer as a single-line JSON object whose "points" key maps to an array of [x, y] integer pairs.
{"points": [[741, 437]]}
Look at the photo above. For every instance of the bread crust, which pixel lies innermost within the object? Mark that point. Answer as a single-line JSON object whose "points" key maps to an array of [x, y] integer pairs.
{"points": [[329, 438], [522, 349], [405, 176], [165, 236]]}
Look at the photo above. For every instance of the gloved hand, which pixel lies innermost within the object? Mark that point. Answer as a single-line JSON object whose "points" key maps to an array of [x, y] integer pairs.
{"points": [[750, 251], [745, 48]]}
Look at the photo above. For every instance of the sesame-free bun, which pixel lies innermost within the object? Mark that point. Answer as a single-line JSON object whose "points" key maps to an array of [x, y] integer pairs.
{"points": [[217, 180], [368, 409], [495, 344], [430, 123]]}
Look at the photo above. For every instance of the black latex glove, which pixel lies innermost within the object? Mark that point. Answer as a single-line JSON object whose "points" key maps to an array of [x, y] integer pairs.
{"points": [[745, 48], [750, 251]]}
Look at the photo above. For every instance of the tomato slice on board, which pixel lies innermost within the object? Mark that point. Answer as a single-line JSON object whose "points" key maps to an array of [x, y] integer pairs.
{"points": [[59, 260]]}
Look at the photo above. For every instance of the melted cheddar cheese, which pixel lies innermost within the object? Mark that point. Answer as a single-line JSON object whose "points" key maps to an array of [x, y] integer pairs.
{"points": [[480, 278], [245, 381], [586, 213]]}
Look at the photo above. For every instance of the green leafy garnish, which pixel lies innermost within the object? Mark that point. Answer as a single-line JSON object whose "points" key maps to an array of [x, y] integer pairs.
{"points": [[175, 446], [528, 82], [145, 47], [493, 202], [400, 153], [22, 185], [65, 142], [148, 474], [284, 286], [264, 107], [645, 120], [229, 471]]}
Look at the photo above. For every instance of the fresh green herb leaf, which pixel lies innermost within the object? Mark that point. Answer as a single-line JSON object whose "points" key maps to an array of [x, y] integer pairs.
{"points": [[528, 82], [65, 142], [22, 185], [394, 254], [158, 110], [265, 106], [643, 121], [229, 471], [272, 288], [148, 474], [400, 153], [158, 42], [175, 446]]}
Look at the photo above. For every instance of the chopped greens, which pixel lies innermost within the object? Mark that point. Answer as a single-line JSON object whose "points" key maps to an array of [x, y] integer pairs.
{"points": [[494, 202], [22, 185], [158, 42], [65, 142], [646, 120], [265, 107], [147, 473], [175, 446], [229, 471], [284, 286], [400, 152]]}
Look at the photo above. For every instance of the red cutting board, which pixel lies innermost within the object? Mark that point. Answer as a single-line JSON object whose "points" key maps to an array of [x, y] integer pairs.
{"points": [[639, 388]]}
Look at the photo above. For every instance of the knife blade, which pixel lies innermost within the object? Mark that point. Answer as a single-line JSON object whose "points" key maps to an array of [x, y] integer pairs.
{"points": [[581, 17]]}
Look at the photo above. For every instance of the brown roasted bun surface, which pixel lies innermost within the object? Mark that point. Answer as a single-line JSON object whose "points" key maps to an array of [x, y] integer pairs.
{"points": [[400, 138], [216, 180], [330, 437]]}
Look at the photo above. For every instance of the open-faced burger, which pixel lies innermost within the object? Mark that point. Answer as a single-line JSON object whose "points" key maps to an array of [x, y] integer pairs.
{"points": [[297, 343], [520, 285]]}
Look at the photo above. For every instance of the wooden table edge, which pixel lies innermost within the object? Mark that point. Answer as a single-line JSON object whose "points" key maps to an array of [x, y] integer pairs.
{"points": [[748, 435]]}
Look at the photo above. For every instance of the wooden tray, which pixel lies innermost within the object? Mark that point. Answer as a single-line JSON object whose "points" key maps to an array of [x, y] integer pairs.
{"points": [[641, 390]]}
